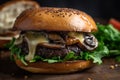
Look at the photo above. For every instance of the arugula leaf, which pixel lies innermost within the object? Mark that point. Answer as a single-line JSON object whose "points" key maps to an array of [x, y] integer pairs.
{"points": [[15, 50], [99, 53], [70, 55], [84, 56], [96, 55], [22, 58], [51, 60], [10, 44], [36, 58]]}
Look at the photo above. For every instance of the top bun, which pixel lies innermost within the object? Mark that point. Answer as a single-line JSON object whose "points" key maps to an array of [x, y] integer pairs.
{"points": [[11, 9], [55, 19]]}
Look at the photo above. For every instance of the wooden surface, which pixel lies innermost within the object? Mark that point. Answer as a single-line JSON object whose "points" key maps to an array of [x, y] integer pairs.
{"points": [[109, 70]]}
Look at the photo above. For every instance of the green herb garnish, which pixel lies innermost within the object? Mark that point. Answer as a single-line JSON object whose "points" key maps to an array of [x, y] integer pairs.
{"points": [[15, 51]]}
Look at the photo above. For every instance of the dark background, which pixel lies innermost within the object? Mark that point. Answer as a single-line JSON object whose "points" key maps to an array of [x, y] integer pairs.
{"points": [[105, 9]]}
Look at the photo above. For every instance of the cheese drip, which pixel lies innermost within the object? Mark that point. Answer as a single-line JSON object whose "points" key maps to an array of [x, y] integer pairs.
{"points": [[77, 36], [33, 39], [81, 40]]}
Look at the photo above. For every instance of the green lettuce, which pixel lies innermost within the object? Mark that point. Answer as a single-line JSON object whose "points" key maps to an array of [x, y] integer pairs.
{"points": [[111, 39]]}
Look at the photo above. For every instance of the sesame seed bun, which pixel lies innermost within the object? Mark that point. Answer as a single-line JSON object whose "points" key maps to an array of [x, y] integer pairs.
{"points": [[55, 19]]}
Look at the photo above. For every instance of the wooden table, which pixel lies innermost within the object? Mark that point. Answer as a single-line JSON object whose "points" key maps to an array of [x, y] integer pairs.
{"points": [[109, 70]]}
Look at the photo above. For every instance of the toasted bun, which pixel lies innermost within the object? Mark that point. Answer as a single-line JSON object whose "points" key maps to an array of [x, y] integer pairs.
{"points": [[10, 10], [62, 67], [55, 19]]}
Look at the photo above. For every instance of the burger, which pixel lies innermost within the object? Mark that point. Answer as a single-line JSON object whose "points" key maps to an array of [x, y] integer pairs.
{"points": [[53, 40], [8, 13]]}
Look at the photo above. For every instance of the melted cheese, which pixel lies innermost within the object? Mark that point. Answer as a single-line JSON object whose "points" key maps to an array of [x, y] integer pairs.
{"points": [[19, 40], [77, 36], [80, 37], [33, 39]]}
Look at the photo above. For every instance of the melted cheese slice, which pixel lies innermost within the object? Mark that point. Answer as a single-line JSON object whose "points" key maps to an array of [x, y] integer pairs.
{"points": [[19, 40], [77, 36], [33, 39], [80, 37]]}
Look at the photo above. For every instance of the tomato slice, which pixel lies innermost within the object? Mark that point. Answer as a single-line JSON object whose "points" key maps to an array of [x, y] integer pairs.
{"points": [[115, 23]]}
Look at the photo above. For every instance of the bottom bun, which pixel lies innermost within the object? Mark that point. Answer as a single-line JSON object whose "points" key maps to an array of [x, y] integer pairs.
{"points": [[61, 67]]}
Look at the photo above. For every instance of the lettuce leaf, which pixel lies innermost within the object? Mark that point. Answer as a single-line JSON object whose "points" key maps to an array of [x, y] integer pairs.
{"points": [[110, 37]]}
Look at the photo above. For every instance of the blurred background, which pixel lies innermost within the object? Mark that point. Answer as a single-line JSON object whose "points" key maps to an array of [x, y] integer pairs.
{"points": [[104, 9]]}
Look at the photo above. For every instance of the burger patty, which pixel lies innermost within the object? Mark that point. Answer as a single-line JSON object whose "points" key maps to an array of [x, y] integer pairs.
{"points": [[48, 52]]}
